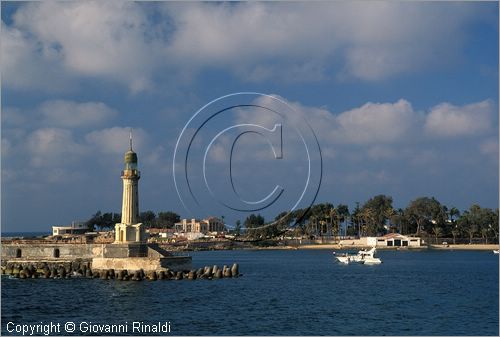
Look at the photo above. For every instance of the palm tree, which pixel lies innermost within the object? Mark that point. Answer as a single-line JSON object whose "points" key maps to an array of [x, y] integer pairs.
{"points": [[389, 213], [334, 220], [437, 232], [455, 232], [313, 225], [369, 219], [453, 213]]}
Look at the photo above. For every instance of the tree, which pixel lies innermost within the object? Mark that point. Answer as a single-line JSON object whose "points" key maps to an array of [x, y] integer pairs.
{"points": [[399, 221], [471, 231], [343, 213], [455, 232], [376, 212], [254, 224], [425, 211], [312, 226], [494, 224], [94, 221], [453, 213], [103, 221], [437, 232], [237, 229], [477, 219], [484, 234], [148, 218], [107, 220], [167, 219], [355, 221]]}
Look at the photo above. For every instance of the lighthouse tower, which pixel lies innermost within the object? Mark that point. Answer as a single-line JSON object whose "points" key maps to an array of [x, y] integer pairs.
{"points": [[129, 231]]}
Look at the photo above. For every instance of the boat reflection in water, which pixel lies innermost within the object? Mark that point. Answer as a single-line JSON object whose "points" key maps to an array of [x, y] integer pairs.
{"points": [[363, 257]]}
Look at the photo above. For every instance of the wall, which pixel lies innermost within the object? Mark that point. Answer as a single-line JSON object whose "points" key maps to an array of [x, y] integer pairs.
{"points": [[30, 251]]}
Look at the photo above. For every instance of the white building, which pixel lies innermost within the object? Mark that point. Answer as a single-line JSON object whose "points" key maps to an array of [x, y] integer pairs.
{"points": [[393, 240], [74, 228]]}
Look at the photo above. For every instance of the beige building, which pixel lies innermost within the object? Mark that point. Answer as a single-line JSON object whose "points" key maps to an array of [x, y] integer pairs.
{"points": [[210, 225]]}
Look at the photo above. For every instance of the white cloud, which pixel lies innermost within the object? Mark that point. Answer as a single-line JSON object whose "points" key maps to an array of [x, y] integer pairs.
{"points": [[448, 120], [50, 43], [115, 140], [53, 146], [376, 123], [375, 40], [113, 40], [26, 65], [72, 114]]}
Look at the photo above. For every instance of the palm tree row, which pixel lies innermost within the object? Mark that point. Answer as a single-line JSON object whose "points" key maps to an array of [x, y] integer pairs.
{"points": [[423, 216]]}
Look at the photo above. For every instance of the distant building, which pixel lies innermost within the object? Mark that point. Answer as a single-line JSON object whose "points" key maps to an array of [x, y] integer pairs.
{"points": [[388, 240], [393, 240], [165, 233], [74, 228], [205, 226]]}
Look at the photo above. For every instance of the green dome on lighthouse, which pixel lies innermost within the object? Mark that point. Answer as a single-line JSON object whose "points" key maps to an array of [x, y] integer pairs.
{"points": [[130, 157]]}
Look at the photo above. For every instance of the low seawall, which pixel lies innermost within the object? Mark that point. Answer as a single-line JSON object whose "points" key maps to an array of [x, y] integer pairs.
{"points": [[71, 260]]}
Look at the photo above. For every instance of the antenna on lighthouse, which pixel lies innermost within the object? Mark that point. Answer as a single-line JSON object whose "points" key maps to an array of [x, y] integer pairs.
{"points": [[130, 139]]}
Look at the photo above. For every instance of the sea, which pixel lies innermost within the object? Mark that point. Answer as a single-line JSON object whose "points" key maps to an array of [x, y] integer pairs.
{"points": [[281, 292]]}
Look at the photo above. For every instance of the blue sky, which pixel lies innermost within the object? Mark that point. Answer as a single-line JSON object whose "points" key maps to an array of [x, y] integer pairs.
{"points": [[403, 98]]}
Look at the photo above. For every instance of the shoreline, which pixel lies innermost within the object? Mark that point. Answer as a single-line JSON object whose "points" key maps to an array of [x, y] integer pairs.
{"points": [[480, 247]]}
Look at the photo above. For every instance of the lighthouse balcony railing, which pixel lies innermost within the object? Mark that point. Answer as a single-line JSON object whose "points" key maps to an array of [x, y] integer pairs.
{"points": [[130, 173]]}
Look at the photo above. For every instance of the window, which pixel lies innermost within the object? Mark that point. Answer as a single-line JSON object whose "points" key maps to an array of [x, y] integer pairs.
{"points": [[405, 243], [19, 253], [389, 243], [397, 242], [56, 252]]}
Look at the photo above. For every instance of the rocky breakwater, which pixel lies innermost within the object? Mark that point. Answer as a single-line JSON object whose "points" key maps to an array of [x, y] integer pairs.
{"points": [[83, 268]]}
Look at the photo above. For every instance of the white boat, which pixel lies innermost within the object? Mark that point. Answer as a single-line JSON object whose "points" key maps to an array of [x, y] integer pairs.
{"points": [[363, 257], [496, 251]]}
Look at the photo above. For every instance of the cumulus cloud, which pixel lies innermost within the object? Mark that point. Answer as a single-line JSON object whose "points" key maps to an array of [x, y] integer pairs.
{"points": [[375, 40], [112, 40], [121, 42], [115, 140], [371, 123], [51, 146], [376, 122], [27, 66], [448, 120], [66, 113]]}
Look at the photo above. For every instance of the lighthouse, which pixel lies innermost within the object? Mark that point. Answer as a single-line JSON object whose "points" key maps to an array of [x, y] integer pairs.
{"points": [[129, 231]]}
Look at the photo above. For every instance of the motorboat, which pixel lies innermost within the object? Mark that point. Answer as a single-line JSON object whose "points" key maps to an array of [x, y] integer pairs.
{"points": [[363, 257], [496, 251]]}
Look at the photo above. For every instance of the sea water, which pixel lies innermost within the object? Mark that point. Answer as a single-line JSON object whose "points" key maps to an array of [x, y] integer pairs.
{"points": [[281, 292]]}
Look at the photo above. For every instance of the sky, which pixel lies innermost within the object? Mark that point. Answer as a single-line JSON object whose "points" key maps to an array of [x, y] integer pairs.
{"points": [[401, 99]]}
